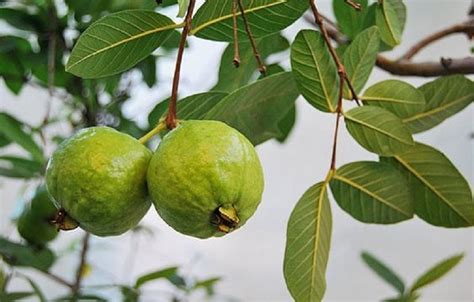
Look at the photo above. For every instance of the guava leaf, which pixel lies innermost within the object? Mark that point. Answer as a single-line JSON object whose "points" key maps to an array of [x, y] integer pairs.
{"points": [[214, 19], [398, 97], [359, 59], [22, 255], [390, 17], [183, 7], [436, 272], [257, 109], [170, 274], [349, 20], [445, 97], [308, 240], [378, 130], [372, 192], [384, 272], [17, 167], [315, 71], [117, 42], [442, 196]]}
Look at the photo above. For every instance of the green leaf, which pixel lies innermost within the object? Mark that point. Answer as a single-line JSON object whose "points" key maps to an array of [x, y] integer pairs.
{"points": [[167, 273], [384, 272], [15, 296], [308, 240], [441, 194], [4, 141], [286, 125], [17, 167], [359, 58], [390, 21], [214, 19], [378, 130], [231, 78], [445, 97], [129, 294], [183, 7], [207, 284], [257, 109], [398, 97], [349, 20], [81, 298], [148, 70], [193, 107], [12, 129], [21, 255], [372, 192], [436, 272], [36, 289], [117, 42], [315, 71]]}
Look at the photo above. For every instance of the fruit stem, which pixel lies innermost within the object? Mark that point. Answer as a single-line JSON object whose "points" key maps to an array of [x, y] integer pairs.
{"points": [[226, 219], [160, 127]]}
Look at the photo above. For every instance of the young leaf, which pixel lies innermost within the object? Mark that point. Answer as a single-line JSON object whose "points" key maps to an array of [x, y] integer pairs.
{"points": [[390, 22], [398, 97], [21, 255], [308, 241], [314, 70], [183, 7], [441, 194], [167, 273], [359, 58], [350, 20], [117, 42], [12, 129], [445, 97], [372, 192], [436, 272], [214, 19], [378, 130], [384, 272], [257, 109]]}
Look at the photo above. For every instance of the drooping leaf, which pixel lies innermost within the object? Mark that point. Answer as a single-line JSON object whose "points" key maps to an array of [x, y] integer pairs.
{"points": [[398, 97], [350, 20], [359, 58], [372, 192], [315, 71], [436, 272], [287, 124], [214, 19], [390, 21], [445, 97], [193, 107], [378, 130], [17, 167], [441, 195], [12, 129], [167, 273], [384, 272], [308, 241], [257, 109], [22, 255], [231, 78], [117, 42], [148, 70]]}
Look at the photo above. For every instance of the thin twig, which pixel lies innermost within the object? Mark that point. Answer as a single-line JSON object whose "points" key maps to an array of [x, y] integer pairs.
{"points": [[236, 36], [354, 5], [261, 65], [82, 262], [58, 279], [465, 27], [171, 119]]}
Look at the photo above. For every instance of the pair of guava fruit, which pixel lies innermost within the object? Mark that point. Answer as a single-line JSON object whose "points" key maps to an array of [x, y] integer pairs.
{"points": [[204, 179]]}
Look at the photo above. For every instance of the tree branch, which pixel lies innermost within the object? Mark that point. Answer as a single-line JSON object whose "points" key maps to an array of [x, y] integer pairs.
{"points": [[58, 279], [171, 118], [465, 27], [82, 262]]}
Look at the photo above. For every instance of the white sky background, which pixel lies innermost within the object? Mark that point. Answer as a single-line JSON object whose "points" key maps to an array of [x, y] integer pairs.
{"points": [[250, 260]]}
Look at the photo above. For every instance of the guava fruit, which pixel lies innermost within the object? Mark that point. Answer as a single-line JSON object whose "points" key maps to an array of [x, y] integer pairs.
{"points": [[34, 224], [98, 177], [205, 179]]}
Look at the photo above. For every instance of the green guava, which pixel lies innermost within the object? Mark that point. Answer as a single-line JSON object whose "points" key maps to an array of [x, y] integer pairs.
{"points": [[98, 177], [34, 224], [205, 179]]}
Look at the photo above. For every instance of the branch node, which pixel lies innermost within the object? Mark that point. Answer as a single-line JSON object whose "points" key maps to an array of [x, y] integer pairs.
{"points": [[354, 5]]}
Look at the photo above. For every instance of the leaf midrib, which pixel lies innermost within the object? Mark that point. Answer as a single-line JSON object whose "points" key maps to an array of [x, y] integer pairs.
{"points": [[131, 38], [389, 100], [433, 189], [436, 110], [228, 16], [363, 189]]}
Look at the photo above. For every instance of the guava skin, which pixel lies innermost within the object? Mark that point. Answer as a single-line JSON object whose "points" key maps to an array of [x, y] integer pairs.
{"points": [[34, 224], [199, 167], [98, 177]]}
